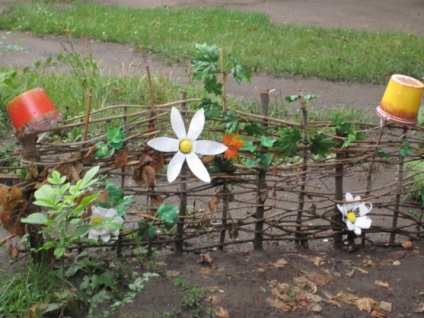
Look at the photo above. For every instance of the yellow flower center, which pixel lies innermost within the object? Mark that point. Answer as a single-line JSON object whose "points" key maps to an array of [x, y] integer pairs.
{"points": [[351, 216], [186, 145], [96, 219]]}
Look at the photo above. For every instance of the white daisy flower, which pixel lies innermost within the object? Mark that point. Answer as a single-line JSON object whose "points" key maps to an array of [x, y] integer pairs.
{"points": [[354, 213], [104, 233], [187, 146]]}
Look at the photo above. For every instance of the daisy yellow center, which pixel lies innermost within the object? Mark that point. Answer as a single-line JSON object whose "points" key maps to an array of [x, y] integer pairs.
{"points": [[186, 146], [96, 220], [351, 216]]}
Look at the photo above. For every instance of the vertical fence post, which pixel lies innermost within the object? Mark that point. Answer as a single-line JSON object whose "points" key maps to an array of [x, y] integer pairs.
{"points": [[337, 219], [261, 186], [300, 239], [225, 207], [179, 244], [398, 190]]}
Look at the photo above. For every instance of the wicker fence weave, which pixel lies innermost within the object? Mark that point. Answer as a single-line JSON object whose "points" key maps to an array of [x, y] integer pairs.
{"points": [[294, 200]]}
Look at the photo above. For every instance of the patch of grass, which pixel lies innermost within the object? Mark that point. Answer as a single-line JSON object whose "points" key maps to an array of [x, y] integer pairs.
{"points": [[332, 54]]}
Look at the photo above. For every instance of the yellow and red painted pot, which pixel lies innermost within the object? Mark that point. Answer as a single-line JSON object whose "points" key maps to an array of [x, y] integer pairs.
{"points": [[401, 100], [32, 111]]}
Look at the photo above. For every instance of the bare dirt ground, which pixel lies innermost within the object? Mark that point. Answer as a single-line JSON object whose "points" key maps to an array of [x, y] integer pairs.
{"points": [[279, 281]]}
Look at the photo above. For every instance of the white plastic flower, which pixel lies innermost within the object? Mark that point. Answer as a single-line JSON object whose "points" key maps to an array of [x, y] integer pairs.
{"points": [[354, 213], [97, 215], [187, 146]]}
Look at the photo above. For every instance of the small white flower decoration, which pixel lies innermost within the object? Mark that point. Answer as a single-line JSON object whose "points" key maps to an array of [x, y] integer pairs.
{"points": [[187, 146], [99, 213], [354, 213]]}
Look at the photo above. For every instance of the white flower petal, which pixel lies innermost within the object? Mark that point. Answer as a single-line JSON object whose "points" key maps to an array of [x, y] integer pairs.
{"points": [[110, 213], [357, 230], [196, 166], [196, 125], [164, 144], [177, 123], [115, 233], [208, 147], [92, 235], [174, 166], [363, 222], [341, 208], [349, 196], [364, 209], [350, 226], [105, 238]]}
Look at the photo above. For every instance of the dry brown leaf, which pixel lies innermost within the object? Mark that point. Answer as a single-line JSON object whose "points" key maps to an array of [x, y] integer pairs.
{"points": [[378, 314], [368, 263], [205, 271], [13, 251], [205, 221], [121, 157], [32, 173], [213, 204], [145, 176], [420, 308], [319, 279], [205, 258], [318, 261], [89, 153], [331, 299], [207, 159], [406, 244], [15, 197], [220, 312], [214, 299], [103, 197], [365, 304], [157, 200], [385, 306], [280, 263], [382, 284], [347, 298], [363, 271], [4, 193], [172, 273]]}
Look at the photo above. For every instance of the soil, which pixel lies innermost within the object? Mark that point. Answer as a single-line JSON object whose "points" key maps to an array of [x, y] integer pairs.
{"points": [[279, 280]]}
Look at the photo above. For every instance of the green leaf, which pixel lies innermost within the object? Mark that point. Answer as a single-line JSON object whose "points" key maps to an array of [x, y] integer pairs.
{"points": [[35, 218], [267, 141], [310, 97], [288, 141], [265, 160], [248, 146], [115, 138], [254, 129], [101, 150], [405, 149], [252, 162], [56, 178], [212, 109], [169, 215], [230, 122], [292, 98], [59, 252], [212, 86], [320, 145], [146, 231], [239, 72]]}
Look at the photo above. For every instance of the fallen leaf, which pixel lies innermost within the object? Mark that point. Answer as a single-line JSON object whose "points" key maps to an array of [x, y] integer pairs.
{"points": [[172, 273], [205, 258], [278, 263], [377, 314], [221, 313], [365, 303], [318, 261], [368, 263], [214, 299], [420, 308], [363, 271], [382, 284], [385, 306], [347, 298], [205, 271], [396, 263]]}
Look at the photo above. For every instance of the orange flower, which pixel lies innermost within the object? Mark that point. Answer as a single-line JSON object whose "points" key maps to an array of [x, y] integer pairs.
{"points": [[233, 143]]}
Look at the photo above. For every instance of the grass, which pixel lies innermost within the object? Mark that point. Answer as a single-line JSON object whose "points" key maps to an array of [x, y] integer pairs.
{"points": [[332, 54]]}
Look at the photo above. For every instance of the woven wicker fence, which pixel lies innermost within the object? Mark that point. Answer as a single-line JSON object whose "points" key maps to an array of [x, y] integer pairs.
{"points": [[294, 200]]}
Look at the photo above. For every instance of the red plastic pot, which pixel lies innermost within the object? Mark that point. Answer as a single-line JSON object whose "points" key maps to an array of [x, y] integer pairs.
{"points": [[32, 111]]}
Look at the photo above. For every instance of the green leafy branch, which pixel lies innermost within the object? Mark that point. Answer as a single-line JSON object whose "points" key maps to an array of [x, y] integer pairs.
{"points": [[166, 215], [115, 141]]}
